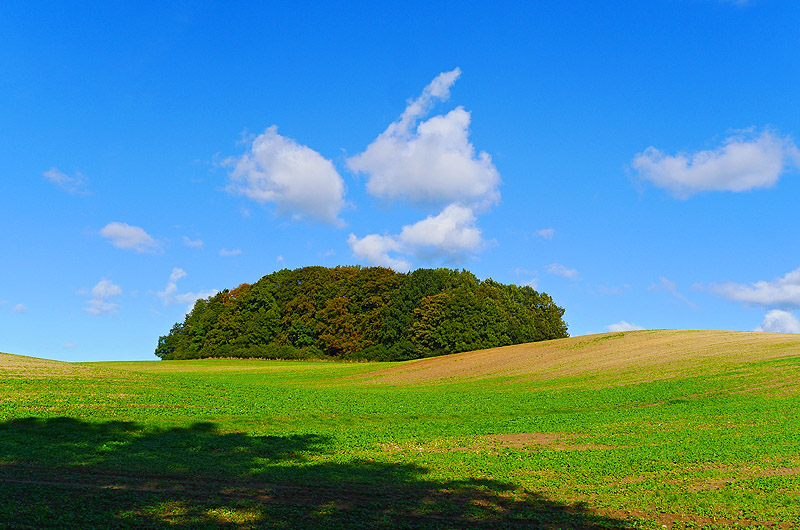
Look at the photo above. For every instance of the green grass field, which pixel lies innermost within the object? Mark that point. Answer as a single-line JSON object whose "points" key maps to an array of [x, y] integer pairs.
{"points": [[635, 430]]}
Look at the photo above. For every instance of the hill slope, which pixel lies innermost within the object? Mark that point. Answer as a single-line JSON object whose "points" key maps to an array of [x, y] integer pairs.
{"points": [[22, 367], [630, 356]]}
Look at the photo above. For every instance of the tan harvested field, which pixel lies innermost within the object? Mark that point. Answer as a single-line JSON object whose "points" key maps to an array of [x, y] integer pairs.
{"points": [[654, 354], [21, 367]]}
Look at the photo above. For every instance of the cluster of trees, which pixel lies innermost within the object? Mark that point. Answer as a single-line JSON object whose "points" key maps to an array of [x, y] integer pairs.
{"points": [[362, 313]]}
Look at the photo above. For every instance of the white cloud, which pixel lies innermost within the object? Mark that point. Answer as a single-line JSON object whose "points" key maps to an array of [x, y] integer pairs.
{"points": [[298, 180], [279, 259], [561, 270], [533, 283], [233, 252], [623, 326], [102, 293], [375, 249], [546, 233], [125, 236], [193, 243], [69, 345], [19, 308], [777, 321], [170, 294], [744, 162], [450, 235], [665, 285], [783, 291], [76, 184], [429, 161]]}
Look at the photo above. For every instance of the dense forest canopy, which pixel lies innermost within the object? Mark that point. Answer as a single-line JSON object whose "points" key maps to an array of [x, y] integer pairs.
{"points": [[362, 313]]}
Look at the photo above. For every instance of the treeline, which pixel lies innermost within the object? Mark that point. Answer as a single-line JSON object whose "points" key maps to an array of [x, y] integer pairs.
{"points": [[362, 313]]}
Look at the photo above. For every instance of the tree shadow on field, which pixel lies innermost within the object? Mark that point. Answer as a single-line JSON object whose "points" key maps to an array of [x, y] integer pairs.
{"points": [[69, 474]]}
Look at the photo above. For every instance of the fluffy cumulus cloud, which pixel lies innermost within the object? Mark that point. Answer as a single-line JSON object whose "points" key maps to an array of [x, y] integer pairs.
{"points": [[170, 294], [102, 295], [780, 292], [75, 184], [561, 270], [300, 182], [744, 162], [431, 160], [450, 236], [623, 326], [129, 237], [777, 321]]}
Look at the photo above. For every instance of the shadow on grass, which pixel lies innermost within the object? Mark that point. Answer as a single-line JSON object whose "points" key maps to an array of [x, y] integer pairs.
{"points": [[69, 474]]}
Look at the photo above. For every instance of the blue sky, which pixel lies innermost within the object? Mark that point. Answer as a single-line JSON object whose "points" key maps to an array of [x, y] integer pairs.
{"points": [[635, 160]]}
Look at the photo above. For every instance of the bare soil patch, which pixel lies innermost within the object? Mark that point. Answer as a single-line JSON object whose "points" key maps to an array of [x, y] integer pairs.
{"points": [[554, 440]]}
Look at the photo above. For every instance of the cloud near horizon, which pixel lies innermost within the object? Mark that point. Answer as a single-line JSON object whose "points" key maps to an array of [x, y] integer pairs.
{"points": [[430, 161], [780, 292], [449, 236], [300, 182], [744, 162], [623, 326], [777, 321]]}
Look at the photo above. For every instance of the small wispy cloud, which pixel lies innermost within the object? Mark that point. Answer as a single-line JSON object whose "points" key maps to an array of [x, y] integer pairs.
{"points": [[75, 184], [546, 233], [19, 308], [193, 243], [560, 270], [129, 237], [233, 252], [665, 285]]}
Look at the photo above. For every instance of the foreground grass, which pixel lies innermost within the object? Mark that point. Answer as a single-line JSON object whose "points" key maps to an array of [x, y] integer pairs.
{"points": [[264, 444]]}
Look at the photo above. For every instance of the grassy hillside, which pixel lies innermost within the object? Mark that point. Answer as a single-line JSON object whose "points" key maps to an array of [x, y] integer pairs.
{"points": [[676, 429]]}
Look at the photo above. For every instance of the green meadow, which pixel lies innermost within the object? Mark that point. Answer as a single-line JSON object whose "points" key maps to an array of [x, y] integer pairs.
{"points": [[638, 430]]}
